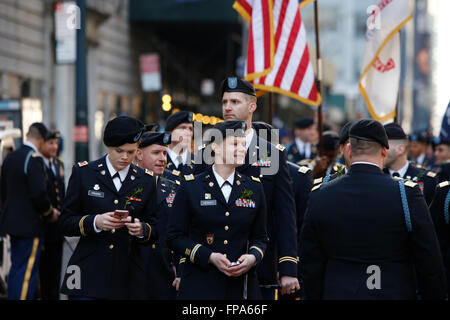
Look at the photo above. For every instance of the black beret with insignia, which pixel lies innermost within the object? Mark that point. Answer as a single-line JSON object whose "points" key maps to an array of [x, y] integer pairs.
{"points": [[39, 126], [344, 133], [369, 130], [394, 131], [53, 135], [122, 130], [161, 138], [237, 126], [304, 123], [330, 140], [421, 136], [177, 118], [234, 84]]}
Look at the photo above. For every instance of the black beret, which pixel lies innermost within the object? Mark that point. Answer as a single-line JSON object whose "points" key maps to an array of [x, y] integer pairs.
{"points": [[394, 131], [177, 118], [421, 136], [161, 138], [304, 123], [234, 84], [122, 130], [39, 126], [440, 140], [239, 128], [330, 140], [369, 130], [53, 135], [344, 133]]}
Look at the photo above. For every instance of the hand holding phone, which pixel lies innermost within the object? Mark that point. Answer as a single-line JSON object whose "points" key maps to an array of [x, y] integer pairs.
{"points": [[121, 214], [234, 263]]}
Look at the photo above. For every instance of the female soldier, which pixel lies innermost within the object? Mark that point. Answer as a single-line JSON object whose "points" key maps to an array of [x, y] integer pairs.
{"points": [[219, 224]]}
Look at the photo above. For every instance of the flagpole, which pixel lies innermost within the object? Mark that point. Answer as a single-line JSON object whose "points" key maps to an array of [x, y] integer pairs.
{"points": [[319, 72], [271, 108]]}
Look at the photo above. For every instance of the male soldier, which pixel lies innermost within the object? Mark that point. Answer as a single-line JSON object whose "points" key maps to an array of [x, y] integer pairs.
{"points": [[325, 163], [442, 158], [26, 209], [239, 103], [370, 253], [158, 260], [397, 164], [417, 150], [110, 204], [50, 269], [439, 211], [179, 157], [303, 147]]}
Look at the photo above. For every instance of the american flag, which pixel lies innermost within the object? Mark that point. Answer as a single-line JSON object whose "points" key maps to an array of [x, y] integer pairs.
{"points": [[277, 52]]}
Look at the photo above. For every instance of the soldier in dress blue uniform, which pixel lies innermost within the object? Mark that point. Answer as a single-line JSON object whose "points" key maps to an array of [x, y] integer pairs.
{"points": [[108, 247], [441, 148], [372, 234], [397, 164], [325, 163], [439, 210], [303, 147], [267, 162], [219, 224], [417, 150], [26, 210], [159, 262], [51, 258]]}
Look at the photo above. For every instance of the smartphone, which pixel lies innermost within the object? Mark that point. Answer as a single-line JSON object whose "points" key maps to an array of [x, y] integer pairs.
{"points": [[121, 214], [235, 264]]}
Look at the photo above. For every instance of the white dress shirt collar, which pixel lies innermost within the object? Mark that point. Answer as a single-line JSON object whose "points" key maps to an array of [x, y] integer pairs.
{"points": [[122, 173], [249, 137], [402, 171], [420, 159], [366, 162], [173, 156], [303, 148], [220, 180]]}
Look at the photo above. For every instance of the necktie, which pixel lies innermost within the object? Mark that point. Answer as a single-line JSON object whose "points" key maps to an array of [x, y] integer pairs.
{"points": [[179, 161], [117, 184], [226, 190], [396, 174]]}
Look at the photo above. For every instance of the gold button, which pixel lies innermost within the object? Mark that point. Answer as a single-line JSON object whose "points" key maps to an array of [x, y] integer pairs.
{"points": [[225, 242], [113, 230], [57, 190], [226, 228], [153, 246], [111, 246], [227, 213], [116, 201], [58, 198]]}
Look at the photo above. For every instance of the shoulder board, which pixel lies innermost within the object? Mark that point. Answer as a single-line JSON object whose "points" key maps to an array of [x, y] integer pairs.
{"points": [[316, 187], [410, 184], [431, 174], [318, 180], [255, 179], [189, 177], [82, 164], [443, 184], [150, 173], [304, 169], [280, 147], [203, 146]]}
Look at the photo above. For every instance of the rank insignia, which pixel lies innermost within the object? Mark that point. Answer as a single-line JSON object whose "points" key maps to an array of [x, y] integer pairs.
{"points": [[189, 177], [170, 198], [134, 170], [82, 164], [96, 187], [100, 165], [210, 238], [175, 172], [246, 203]]}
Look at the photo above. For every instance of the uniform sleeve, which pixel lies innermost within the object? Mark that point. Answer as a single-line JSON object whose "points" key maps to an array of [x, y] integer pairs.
{"points": [[258, 235], [425, 248], [37, 187], [284, 210], [177, 231], [149, 217], [312, 258], [429, 188], [73, 222], [301, 199]]}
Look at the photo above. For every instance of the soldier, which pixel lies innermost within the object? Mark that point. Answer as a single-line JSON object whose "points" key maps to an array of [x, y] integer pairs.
{"points": [[26, 210], [180, 160], [417, 150], [397, 164], [325, 164], [158, 260], [110, 204], [51, 258], [439, 211], [442, 158], [268, 163], [303, 147], [219, 224], [372, 234]]}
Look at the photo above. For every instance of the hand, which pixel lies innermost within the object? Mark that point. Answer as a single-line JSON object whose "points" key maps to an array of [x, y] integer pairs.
{"points": [[134, 228], [321, 166], [221, 262], [176, 283], [107, 221], [55, 215], [246, 262], [289, 284]]}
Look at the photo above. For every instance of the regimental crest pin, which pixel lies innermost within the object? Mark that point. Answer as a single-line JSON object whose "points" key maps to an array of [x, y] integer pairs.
{"points": [[132, 177], [103, 172], [211, 184], [238, 182], [96, 187], [210, 238]]}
